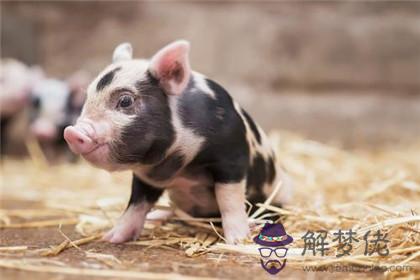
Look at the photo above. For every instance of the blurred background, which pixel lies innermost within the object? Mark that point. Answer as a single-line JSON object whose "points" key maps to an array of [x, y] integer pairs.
{"points": [[346, 73], [337, 81]]}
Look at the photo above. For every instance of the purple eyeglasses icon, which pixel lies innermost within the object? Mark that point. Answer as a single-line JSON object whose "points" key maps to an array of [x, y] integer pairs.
{"points": [[266, 252]]}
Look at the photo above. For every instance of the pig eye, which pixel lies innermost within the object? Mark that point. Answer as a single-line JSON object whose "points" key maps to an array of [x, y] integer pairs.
{"points": [[125, 101]]}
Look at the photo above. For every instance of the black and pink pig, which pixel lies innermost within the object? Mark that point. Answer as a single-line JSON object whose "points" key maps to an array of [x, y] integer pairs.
{"points": [[55, 105], [177, 131]]}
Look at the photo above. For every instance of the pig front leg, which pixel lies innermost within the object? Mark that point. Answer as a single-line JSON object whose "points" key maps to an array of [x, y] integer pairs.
{"points": [[231, 201], [130, 224]]}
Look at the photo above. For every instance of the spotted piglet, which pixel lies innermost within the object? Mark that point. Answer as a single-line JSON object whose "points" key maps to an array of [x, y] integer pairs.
{"points": [[177, 131]]}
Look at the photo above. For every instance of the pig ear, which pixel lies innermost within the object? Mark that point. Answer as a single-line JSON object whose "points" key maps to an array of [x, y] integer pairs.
{"points": [[122, 52], [171, 67]]}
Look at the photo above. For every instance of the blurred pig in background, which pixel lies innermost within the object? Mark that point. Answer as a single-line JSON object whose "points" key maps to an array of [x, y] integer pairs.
{"points": [[16, 82], [55, 105], [37, 106]]}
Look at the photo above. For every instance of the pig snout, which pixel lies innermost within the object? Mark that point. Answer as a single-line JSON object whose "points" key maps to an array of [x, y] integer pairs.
{"points": [[78, 139]]}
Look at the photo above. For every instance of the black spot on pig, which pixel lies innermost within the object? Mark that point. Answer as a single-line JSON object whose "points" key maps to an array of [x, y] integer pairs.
{"points": [[167, 167], [35, 107], [257, 176], [106, 79], [151, 133], [259, 173], [36, 102], [271, 170], [252, 125], [141, 191], [225, 152]]}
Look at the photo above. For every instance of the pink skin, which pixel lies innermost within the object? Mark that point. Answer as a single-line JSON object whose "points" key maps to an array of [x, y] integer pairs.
{"points": [[80, 142], [85, 139], [129, 225]]}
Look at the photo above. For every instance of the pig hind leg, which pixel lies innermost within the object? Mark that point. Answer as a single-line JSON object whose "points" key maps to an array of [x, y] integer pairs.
{"points": [[262, 179], [231, 201]]}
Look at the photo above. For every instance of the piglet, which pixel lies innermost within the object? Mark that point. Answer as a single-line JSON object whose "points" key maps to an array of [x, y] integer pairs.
{"points": [[55, 105], [179, 131]]}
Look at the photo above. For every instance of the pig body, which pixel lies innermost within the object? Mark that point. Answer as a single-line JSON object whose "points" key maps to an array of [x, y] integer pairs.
{"points": [[177, 131]]}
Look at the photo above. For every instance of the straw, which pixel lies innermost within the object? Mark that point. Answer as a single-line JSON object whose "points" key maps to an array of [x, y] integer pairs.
{"points": [[362, 190]]}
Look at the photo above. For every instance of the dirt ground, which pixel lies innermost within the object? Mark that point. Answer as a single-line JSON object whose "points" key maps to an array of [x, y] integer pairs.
{"points": [[159, 260], [330, 182]]}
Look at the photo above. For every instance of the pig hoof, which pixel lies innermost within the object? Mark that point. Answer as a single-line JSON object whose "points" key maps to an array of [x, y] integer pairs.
{"points": [[128, 227], [122, 233], [235, 233]]}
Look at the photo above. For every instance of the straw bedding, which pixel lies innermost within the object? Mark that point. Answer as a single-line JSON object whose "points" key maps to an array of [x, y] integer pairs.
{"points": [[335, 189]]}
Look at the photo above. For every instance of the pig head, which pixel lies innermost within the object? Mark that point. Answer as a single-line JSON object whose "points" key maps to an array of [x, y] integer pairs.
{"points": [[126, 119]]}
